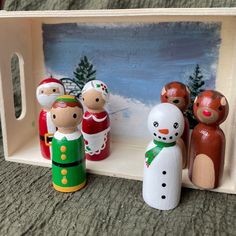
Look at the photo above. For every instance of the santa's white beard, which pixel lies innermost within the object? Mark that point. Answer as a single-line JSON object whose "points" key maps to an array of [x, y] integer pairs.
{"points": [[46, 101]]}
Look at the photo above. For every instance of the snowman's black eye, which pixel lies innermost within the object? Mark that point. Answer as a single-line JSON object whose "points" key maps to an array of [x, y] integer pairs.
{"points": [[155, 124], [74, 115], [175, 125], [220, 108], [54, 90], [54, 116], [97, 100]]}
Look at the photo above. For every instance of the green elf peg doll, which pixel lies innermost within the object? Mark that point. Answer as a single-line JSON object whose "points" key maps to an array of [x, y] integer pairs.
{"points": [[68, 156]]}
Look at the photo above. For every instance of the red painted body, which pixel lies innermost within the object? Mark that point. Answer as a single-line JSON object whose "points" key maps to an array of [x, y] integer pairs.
{"points": [[42, 131], [93, 124]]}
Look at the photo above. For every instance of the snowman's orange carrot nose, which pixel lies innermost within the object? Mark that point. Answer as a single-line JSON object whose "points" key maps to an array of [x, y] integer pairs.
{"points": [[164, 131]]}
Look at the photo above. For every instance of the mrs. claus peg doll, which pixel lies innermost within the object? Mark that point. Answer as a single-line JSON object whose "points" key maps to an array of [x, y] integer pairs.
{"points": [[47, 92], [207, 147], [68, 157], [96, 123]]}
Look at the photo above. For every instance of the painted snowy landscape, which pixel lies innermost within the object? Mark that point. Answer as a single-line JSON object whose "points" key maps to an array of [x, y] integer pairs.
{"points": [[135, 61]]}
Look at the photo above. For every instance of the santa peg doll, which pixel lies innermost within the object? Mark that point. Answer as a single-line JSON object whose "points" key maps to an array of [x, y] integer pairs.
{"points": [[96, 123], [68, 157], [47, 92], [178, 94]]}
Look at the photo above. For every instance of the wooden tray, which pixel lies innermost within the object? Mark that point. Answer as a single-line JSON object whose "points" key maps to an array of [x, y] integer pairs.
{"points": [[22, 33]]}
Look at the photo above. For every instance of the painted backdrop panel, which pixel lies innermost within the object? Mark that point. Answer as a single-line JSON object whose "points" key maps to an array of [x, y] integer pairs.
{"points": [[135, 61]]}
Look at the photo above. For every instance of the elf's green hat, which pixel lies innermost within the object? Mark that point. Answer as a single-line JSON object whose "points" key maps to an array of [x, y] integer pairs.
{"points": [[67, 100]]}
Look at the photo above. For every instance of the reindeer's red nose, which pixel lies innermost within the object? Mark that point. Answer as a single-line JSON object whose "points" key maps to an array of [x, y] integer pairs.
{"points": [[206, 113]]}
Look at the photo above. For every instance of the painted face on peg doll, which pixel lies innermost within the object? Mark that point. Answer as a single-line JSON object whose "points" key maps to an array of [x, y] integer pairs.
{"points": [[211, 107], [176, 93], [48, 91], [66, 115], [166, 123], [95, 95]]}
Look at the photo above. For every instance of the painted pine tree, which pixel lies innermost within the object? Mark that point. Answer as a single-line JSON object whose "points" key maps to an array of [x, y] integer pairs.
{"points": [[195, 83], [83, 73]]}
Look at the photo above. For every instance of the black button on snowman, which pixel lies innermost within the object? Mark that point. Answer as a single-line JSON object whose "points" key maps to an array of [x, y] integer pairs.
{"points": [[163, 158]]}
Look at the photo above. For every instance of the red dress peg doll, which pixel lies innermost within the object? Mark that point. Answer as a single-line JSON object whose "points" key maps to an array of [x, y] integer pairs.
{"points": [[96, 123], [207, 148], [178, 94], [47, 92]]}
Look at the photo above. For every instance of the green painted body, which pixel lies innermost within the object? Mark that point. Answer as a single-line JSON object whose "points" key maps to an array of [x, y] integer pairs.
{"points": [[76, 174]]}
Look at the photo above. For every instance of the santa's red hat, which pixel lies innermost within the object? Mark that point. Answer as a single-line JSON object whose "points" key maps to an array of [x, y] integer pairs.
{"points": [[51, 82]]}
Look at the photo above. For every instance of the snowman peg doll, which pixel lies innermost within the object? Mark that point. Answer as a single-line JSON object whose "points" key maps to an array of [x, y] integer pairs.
{"points": [[96, 123], [162, 177], [178, 94], [47, 92], [68, 157], [207, 148]]}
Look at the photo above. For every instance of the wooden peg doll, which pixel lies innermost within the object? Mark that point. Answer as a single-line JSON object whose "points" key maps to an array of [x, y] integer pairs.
{"points": [[178, 94], [68, 157], [96, 123], [47, 92], [162, 177], [207, 148]]}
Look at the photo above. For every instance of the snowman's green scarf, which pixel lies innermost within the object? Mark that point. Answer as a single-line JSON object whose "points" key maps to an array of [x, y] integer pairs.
{"points": [[152, 153]]}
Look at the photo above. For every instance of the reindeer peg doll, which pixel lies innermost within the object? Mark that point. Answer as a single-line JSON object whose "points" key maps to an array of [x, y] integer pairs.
{"points": [[96, 123], [178, 94], [68, 157], [207, 148], [162, 176]]}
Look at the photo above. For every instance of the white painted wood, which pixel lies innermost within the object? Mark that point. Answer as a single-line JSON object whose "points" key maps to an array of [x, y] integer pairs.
{"points": [[166, 167], [21, 33]]}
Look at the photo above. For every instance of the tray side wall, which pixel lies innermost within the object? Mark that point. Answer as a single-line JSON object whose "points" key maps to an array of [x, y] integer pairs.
{"points": [[15, 38]]}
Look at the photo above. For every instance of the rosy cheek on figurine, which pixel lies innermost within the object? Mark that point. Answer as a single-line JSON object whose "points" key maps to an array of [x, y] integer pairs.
{"points": [[96, 123], [162, 177]]}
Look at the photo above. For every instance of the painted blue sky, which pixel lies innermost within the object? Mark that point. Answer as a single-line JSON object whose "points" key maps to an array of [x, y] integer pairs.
{"points": [[135, 60]]}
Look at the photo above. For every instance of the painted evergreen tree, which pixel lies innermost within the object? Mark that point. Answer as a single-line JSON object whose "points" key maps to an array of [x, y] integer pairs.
{"points": [[84, 73], [195, 83]]}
